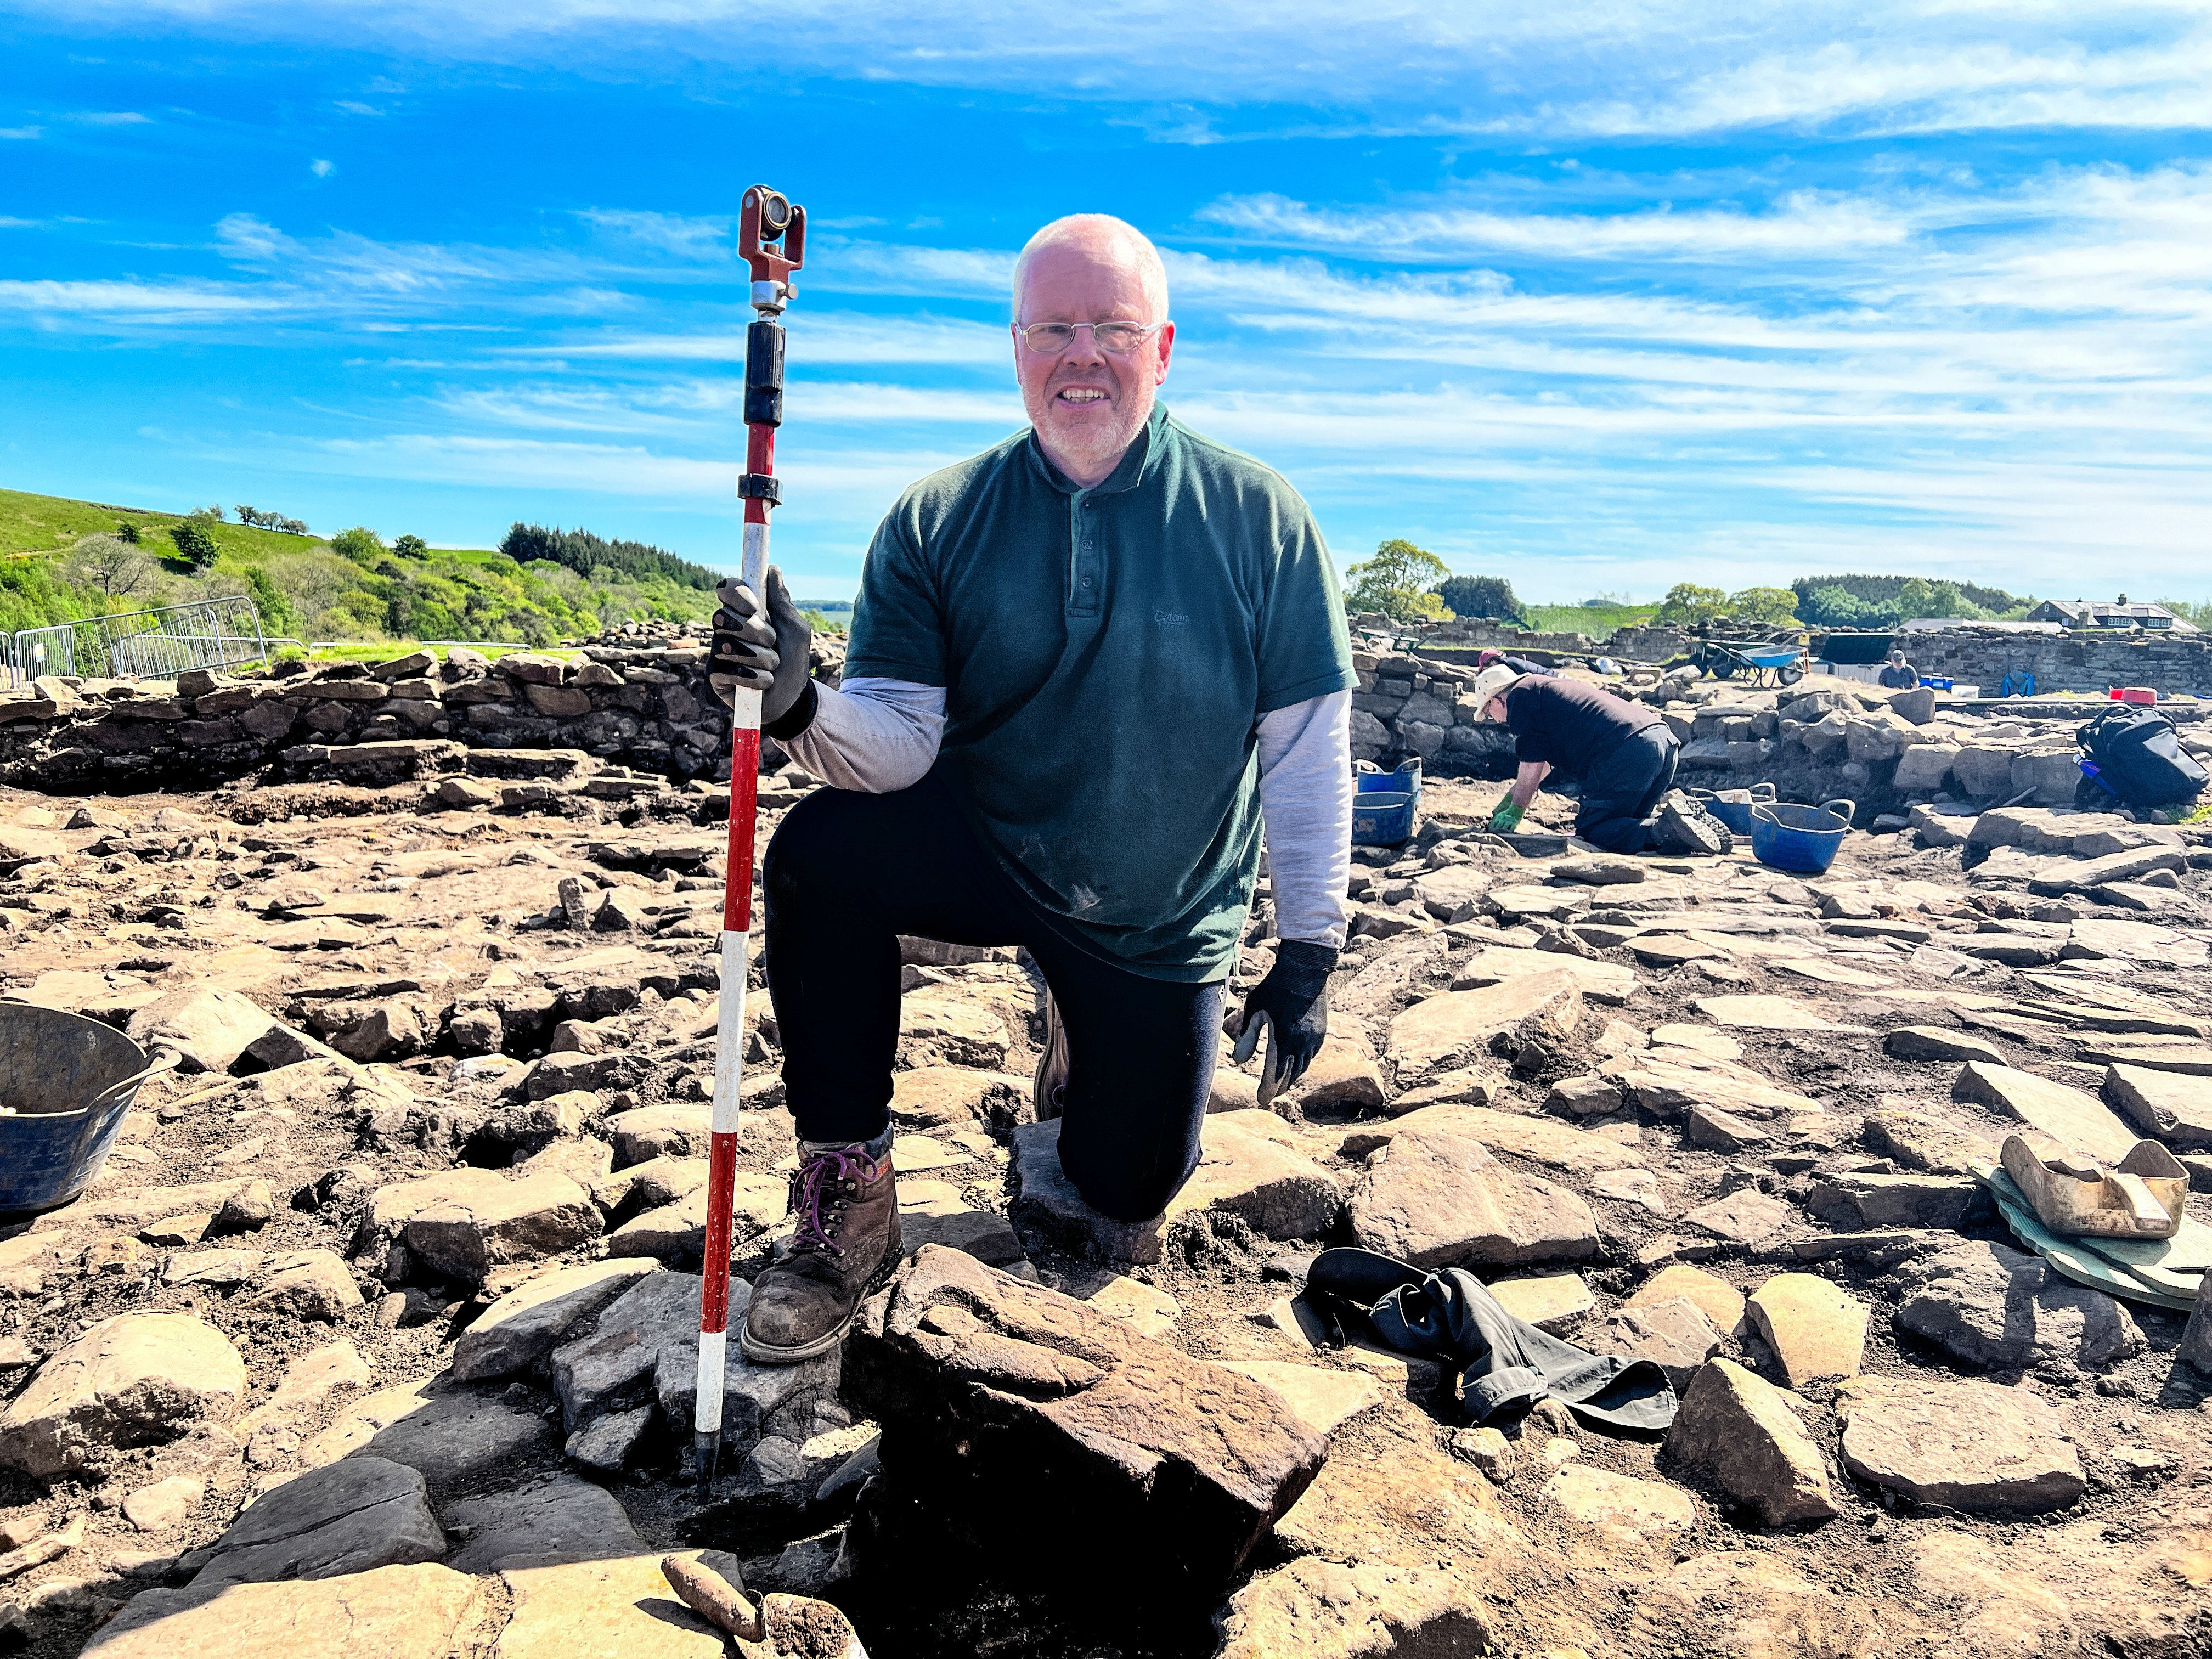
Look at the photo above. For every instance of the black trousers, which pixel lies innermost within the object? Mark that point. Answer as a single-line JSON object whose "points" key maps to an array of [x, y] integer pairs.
{"points": [[1621, 790], [848, 873]]}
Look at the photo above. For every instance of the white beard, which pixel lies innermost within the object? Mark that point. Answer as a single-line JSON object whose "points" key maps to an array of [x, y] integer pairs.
{"points": [[1090, 446]]}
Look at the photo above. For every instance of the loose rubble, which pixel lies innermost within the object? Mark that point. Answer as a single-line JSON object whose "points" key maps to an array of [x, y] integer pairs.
{"points": [[377, 1332]]}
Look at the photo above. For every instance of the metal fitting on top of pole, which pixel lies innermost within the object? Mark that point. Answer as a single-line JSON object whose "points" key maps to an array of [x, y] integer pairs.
{"points": [[772, 241]]}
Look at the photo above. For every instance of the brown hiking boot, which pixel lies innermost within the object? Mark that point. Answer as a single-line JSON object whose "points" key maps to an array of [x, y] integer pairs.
{"points": [[848, 1243], [1051, 1079]]}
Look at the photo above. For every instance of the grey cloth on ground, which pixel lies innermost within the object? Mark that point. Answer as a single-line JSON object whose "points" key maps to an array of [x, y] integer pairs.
{"points": [[1505, 1364], [879, 735]]}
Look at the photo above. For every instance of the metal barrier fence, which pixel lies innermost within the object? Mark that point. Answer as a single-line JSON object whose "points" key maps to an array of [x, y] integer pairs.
{"points": [[162, 644]]}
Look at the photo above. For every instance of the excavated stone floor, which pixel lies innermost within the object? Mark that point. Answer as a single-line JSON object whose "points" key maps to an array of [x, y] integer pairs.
{"points": [[381, 1315]]}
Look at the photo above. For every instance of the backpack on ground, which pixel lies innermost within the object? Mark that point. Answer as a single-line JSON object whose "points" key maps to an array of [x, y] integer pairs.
{"points": [[2138, 756]]}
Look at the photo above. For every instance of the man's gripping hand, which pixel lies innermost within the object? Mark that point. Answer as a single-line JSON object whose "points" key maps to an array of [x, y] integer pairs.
{"points": [[1507, 819], [1291, 1004], [754, 653]]}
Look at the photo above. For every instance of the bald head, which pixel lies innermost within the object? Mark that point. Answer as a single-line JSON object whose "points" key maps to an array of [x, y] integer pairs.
{"points": [[1087, 397], [1100, 238]]}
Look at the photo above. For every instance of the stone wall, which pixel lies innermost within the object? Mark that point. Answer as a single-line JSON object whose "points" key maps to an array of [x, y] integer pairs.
{"points": [[2082, 660], [1407, 705], [1648, 643], [1884, 751], [1503, 636], [635, 714], [631, 707]]}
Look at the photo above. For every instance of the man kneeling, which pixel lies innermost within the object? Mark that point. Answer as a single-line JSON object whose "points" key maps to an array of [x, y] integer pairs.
{"points": [[1082, 664], [1622, 754]]}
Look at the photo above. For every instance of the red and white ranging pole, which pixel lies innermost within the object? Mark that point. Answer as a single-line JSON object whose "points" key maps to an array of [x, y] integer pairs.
{"points": [[772, 241]]}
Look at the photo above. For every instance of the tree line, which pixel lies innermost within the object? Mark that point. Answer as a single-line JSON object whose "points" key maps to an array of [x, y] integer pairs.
{"points": [[582, 552], [1410, 584]]}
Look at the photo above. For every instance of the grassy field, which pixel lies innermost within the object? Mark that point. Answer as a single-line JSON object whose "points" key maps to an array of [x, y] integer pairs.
{"points": [[52, 524], [1598, 621], [305, 589]]}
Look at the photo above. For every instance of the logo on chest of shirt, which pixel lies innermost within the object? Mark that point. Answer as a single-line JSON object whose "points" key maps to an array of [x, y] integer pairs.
{"points": [[1171, 618]]}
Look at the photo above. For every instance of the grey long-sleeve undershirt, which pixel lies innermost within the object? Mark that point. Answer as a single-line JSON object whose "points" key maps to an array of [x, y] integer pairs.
{"points": [[880, 735]]}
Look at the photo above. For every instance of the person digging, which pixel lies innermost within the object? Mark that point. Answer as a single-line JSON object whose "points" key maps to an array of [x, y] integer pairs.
{"points": [[1086, 667], [1621, 753]]}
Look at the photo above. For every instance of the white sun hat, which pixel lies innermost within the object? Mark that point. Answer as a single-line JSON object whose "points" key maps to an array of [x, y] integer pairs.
{"points": [[1491, 681]]}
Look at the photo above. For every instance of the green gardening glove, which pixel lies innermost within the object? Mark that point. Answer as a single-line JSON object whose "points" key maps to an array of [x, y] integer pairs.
{"points": [[1507, 819]]}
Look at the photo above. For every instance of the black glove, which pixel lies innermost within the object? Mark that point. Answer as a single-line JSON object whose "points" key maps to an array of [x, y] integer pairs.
{"points": [[752, 653], [1292, 1004]]}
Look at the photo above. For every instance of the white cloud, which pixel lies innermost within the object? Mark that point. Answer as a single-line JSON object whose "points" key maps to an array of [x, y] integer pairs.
{"points": [[1804, 224], [167, 302], [2026, 367], [845, 494], [1670, 69], [703, 407], [20, 133], [322, 169], [856, 267], [447, 458], [686, 237], [1961, 84], [817, 337], [1602, 352]]}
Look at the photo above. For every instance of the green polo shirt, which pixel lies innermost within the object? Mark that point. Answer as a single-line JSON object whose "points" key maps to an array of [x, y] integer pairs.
{"points": [[1105, 654]]}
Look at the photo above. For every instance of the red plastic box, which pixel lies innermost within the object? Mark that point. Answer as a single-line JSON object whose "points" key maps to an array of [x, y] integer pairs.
{"points": [[2144, 694]]}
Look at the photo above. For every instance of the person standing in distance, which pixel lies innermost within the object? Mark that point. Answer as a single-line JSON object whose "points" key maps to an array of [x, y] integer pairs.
{"points": [[1085, 667]]}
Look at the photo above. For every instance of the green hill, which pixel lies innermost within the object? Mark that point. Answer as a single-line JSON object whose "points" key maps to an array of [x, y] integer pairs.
{"points": [[63, 560]]}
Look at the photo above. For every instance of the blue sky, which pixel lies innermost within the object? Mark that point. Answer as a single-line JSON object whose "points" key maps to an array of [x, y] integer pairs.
{"points": [[1597, 296]]}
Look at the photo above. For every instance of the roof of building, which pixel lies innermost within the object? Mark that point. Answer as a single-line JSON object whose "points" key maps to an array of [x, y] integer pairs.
{"points": [[2108, 616]]}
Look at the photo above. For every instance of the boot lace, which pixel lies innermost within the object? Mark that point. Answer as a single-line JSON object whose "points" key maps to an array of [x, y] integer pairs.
{"points": [[818, 1191]]}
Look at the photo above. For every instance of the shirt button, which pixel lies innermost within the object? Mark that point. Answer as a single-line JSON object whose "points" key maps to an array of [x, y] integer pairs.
{"points": [[1086, 547], [1086, 581]]}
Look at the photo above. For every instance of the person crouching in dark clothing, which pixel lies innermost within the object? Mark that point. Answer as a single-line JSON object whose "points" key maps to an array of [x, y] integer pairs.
{"points": [[1621, 753], [1899, 675], [1518, 664]]}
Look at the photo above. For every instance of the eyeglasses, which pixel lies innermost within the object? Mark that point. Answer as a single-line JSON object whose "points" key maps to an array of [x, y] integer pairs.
{"points": [[1050, 339]]}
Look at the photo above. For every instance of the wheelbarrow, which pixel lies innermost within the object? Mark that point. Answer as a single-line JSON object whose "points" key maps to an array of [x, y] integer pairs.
{"points": [[66, 1083], [1780, 665], [1801, 840]]}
